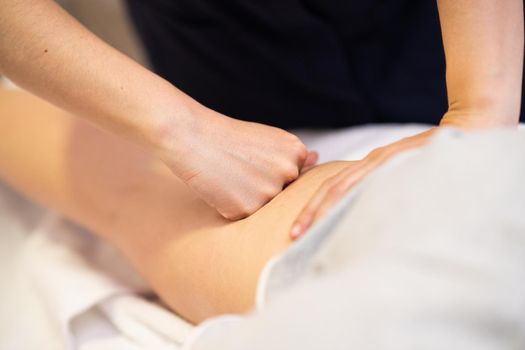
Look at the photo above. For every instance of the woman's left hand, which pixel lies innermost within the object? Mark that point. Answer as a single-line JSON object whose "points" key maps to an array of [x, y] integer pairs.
{"points": [[337, 186]]}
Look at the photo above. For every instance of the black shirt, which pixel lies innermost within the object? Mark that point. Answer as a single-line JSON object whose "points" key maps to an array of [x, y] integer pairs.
{"points": [[301, 63]]}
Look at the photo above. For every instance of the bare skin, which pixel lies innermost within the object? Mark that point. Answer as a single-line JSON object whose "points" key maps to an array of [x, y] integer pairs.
{"points": [[199, 263], [483, 42], [235, 166]]}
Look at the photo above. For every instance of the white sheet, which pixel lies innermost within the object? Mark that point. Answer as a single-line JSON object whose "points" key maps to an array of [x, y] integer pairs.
{"points": [[430, 255], [72, 291]]}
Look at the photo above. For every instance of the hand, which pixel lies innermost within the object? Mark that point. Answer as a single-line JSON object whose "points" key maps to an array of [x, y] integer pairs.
{"points": [[237, 166], [336, 187]]}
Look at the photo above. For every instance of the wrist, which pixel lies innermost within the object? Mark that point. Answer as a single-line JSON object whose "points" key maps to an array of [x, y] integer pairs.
{"points": [[177, 122], [482, 111], [483, 103], [184, 129]]}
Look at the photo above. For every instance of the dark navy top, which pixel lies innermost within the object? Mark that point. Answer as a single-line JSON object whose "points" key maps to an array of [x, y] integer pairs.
{"points": [[301, 63]]}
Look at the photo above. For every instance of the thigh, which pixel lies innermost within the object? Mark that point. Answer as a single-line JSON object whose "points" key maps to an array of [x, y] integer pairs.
{"points": [[198, 262]]}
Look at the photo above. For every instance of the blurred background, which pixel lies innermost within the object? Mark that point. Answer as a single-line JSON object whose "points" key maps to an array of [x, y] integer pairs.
{"points": [[109, 20]]}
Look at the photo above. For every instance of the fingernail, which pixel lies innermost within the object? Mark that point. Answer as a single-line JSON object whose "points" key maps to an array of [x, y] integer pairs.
{"points": [[296, 231]]}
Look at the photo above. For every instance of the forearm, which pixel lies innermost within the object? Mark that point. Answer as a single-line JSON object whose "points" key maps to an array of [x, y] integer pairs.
{"points": [[49, 53], [185, 250], [235, 166], [483, 42], [199, 263]]}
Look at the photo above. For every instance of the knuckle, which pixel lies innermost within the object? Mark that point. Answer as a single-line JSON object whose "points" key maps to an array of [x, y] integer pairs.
{"points": [[231, 215], [247, 211], [240, 210], [239, 216], [245, 208], [242, 213], [293, 137], [298, 146], [301, 149], [269, 192], [291, 172], [256, 203], [303, 154]]}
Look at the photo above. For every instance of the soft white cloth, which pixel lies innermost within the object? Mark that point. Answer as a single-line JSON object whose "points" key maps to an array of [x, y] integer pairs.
{"points": [[90, 298], [73, 291], [429, 253], [64, 289]]}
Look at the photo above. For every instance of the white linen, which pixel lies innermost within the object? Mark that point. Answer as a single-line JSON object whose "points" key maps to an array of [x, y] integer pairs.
{"points": [[430, 255], [73, 291]]}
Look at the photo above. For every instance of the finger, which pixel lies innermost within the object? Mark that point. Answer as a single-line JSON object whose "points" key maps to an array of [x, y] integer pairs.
{"points": [[302, 156], [310, 161], [332, 197], [331, 192], [346, 180], [305, 217], [354, 175]]}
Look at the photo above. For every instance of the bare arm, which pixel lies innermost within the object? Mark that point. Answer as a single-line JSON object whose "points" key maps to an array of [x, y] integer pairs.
{"points": [[484, 51], [236, 167], [46, 51], [199, 263], [483, 42]]}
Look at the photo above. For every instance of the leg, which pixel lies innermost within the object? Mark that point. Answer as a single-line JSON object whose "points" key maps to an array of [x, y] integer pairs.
{"points": [[199, 263]]}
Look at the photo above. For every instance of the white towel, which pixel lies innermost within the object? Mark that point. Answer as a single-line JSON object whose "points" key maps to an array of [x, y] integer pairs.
{"points": [[429, 255], [73, 291]]}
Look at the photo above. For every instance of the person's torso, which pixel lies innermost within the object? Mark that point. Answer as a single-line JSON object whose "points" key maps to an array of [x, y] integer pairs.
{"points": [[311, 63]]}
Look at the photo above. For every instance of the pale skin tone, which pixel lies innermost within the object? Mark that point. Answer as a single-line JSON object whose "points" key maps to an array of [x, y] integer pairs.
{"points": [[235, 166], [199, 263], [121, 193], [483, 42]]}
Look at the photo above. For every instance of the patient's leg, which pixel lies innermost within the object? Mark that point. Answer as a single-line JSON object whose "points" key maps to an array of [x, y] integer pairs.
{"points": [[199, 263]]}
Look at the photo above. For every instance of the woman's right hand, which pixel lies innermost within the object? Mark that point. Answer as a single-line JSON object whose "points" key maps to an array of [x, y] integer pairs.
{"points": [[236, 166]]}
